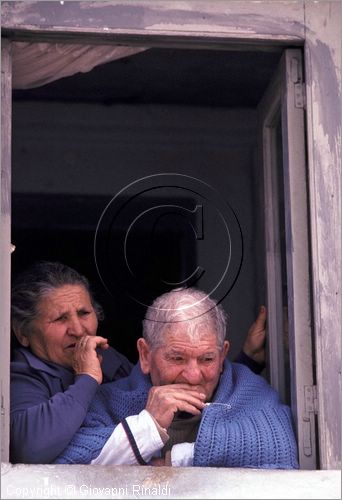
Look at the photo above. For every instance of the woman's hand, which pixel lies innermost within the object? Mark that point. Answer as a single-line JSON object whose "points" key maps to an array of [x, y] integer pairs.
{"points": [[86, 359], [254, 345]]}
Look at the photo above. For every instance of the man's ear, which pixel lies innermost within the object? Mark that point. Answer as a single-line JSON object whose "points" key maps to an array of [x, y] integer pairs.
{"points": [[144, 355], [22, 339], [226, 347]]}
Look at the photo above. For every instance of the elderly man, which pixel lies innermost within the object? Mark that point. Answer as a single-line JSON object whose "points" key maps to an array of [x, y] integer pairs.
{"points": [[184, 403]]}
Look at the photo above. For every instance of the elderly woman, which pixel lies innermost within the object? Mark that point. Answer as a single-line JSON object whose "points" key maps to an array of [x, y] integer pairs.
{"points": [[184, 403], [57, 368], [56, 371]]}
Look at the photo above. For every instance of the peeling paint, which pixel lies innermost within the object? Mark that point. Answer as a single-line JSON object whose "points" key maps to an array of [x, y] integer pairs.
{"points": [[83, 481], [327, 88], [219, 16], [323, 38]]}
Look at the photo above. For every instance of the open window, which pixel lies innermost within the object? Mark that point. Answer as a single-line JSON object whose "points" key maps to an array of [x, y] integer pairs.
{"points": [[160, 111], [281, 122], [66, 169]]}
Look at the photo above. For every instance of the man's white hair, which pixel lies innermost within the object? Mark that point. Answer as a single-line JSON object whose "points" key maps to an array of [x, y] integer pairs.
{"points": [[188, 307]]}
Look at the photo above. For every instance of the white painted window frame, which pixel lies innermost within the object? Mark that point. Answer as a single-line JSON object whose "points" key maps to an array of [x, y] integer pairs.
{"points": [[314, 24], [5, 242], [284, 101]]}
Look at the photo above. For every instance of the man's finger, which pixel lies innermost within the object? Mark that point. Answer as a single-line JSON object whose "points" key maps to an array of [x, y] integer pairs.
{"points": [[185, 387]]}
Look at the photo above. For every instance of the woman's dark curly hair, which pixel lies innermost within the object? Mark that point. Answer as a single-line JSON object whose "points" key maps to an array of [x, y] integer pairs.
{"points": [[36, 282]]}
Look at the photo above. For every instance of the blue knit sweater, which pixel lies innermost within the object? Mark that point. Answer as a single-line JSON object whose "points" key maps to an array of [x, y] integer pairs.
{"points": [[246, 425]]}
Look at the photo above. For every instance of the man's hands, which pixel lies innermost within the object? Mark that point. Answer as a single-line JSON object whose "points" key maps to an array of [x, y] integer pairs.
{"points": [[254, 345], [86, 360], [165, 400]]}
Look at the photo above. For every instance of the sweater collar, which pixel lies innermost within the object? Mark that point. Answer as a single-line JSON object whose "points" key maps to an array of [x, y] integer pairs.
{"points": [[39, 364], [111, 363], [225, 386]]}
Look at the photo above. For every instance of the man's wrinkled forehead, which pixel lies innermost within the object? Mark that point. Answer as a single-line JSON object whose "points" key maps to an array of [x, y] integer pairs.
{"points": [[196, 328]]}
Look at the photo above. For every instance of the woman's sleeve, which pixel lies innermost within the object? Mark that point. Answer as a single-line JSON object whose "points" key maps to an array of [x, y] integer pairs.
{"points": [[42, 426], [244, 359]]}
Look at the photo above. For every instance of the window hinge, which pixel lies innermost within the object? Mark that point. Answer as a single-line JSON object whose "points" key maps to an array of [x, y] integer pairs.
{"points": [[310, 410], [310, 397], [299, 95]]}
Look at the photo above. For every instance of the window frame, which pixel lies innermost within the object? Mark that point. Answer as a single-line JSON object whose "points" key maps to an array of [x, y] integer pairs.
{"points": [[287, 261], [289, 26]]}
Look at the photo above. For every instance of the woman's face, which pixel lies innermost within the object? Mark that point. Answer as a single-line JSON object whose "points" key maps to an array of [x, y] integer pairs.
{"points": [[64, 315]]}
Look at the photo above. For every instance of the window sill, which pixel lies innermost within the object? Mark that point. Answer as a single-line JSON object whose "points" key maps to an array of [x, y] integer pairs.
{"points": [[96, 481]]}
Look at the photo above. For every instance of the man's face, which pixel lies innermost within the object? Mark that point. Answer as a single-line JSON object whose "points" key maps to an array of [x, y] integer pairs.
{"points": [[182, 359]]}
